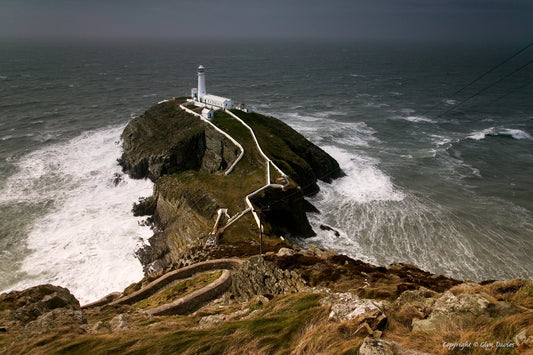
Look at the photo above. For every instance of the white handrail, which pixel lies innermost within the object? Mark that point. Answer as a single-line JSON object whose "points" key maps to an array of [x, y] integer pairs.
{"points": [[268, 162], [230, 169], [258, 146]]}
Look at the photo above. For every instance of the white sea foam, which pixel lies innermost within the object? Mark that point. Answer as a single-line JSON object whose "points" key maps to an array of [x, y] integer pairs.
{"points": [[515, 133], [501, 131], [417, 119], [86, 241], [440, 140], [364, 182], [316, 116], [479, 135]]}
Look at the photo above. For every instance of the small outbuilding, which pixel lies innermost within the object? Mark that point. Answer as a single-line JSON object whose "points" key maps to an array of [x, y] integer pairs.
{"points": [[207, 113]]}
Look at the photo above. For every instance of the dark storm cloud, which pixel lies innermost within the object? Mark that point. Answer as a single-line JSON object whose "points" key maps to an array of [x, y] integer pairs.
{"points": [[376, 19]]}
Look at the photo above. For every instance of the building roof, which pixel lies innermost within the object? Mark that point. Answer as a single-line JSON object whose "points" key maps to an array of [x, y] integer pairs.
{"points": [[215, 98]]}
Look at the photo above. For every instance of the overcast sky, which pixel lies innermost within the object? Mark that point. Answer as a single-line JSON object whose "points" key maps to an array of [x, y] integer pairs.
{"points": [[476, 20]]}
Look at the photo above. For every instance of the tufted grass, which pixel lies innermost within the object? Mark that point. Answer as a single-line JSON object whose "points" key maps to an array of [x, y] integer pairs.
{"points": [[179, 290], [273, 329]]}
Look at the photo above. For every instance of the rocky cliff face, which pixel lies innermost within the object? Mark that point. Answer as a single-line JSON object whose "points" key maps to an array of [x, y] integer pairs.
{"points": [[186, 159], [166, 140]]}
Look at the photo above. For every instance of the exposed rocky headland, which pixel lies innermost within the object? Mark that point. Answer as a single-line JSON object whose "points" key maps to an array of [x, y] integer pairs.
{"points": [[186, 159], [225, 298]]}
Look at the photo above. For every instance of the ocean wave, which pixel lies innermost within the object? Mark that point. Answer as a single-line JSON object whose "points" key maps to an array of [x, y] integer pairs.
{"points": [[425, 233], [319, 115], [499, 131], [10, 136], [87, 236], [351, 134], [417, 119], [364, 181]]}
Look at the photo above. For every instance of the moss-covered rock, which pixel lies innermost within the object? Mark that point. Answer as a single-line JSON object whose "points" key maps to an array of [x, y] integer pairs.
{"points": [[302, 160], [186, 158], [167, 140]]}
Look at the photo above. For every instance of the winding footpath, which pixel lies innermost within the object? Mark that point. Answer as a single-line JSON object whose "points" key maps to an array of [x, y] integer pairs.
{"points": [[195, 299], [185, 304], [213, 236]]}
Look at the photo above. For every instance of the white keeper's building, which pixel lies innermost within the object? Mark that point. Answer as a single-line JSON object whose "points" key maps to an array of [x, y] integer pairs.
{"points": [[200, 95]]}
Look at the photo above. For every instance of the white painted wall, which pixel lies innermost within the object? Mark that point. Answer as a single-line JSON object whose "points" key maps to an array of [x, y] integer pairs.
{"points": [[201, 81]]}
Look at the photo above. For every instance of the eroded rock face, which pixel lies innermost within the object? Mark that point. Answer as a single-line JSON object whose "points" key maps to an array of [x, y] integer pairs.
{"points": [[257, 277], [39, 308], [166, 140], [179, 152], [288, 218]]}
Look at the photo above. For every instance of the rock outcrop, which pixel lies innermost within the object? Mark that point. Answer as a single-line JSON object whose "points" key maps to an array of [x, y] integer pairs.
{"points": [[292, 152], [293, 301], [40, 309], [186, 159], [167, 140]]}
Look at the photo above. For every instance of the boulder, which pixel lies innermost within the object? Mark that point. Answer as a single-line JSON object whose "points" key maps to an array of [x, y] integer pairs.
{"points": [[18, 308], [257, 277], [118, 322], [375, 347], [56, 319], [285, 251], [452, 312], [365, 315]]}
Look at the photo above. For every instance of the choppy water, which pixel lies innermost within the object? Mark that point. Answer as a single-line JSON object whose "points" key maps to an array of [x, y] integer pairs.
{"points": [[451, 192]]}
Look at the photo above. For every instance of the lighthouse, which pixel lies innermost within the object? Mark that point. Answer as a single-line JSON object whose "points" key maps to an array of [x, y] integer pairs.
{"points": [[201, 82], [201, 98]]}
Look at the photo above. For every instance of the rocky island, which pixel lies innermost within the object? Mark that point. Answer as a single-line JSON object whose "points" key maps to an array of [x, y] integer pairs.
{"points": [[224, 276]]}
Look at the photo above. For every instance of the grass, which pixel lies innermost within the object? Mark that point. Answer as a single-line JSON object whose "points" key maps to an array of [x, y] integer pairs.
{"points": [[273, 329], [287, 324], [228, 191], [179, 290], [155, 136]]}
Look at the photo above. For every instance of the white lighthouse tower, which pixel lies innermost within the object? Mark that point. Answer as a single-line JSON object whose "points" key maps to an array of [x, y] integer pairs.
{"points": [[201, 98], [201, 82]]}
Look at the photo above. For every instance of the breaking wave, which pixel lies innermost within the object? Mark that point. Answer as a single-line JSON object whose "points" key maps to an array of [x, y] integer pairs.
{"points": [[85, 240], [500, 131]]}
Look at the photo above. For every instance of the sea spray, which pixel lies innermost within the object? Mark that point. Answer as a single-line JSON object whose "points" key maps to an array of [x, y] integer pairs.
{"points": [[86, 239], [381, 224]]}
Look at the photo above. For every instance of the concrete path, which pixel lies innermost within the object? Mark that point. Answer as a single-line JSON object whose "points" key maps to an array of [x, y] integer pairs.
{"points": [[184, 304]]}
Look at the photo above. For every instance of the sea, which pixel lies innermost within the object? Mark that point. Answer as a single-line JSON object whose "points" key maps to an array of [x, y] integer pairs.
{"points": [[436, 140]]}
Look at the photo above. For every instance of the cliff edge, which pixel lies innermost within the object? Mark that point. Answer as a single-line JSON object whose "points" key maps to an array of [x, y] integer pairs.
{"points": [[187, 158]]}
